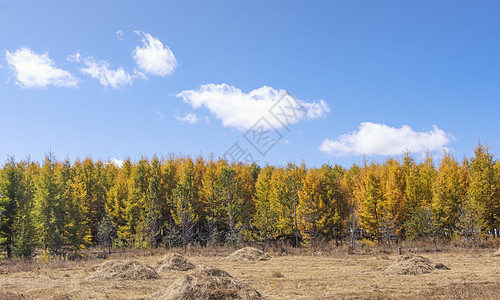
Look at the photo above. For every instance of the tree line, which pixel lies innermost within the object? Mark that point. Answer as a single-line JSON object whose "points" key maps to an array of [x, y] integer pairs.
{"points": [[62, 207]]}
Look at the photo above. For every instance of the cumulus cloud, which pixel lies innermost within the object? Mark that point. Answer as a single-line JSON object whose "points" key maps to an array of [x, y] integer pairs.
{"points": [[154, 57], [189, 118], [107, 76], [242, 110], [33, 70], [380, 139]]}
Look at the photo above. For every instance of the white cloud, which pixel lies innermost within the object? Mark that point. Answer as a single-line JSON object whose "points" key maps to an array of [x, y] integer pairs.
{"points": [[242, 110], [116, 162], [189, 118], [159, 114], [107, 76], [34, 70], [380, 139], [74, 58], [119, 35], [153, 57]]}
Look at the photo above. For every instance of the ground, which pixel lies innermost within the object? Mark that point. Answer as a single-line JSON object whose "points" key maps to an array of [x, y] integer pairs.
{"points": [[474, 274]]}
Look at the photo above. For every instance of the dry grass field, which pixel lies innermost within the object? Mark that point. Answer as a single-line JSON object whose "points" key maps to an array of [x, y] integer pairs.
{"points": [[473, 274]]}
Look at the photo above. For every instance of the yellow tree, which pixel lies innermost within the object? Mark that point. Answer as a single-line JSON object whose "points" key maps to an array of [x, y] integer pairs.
{"points": [[265, 220], [334, 202], [450, 191], [309, 210], [371, 204], [288, 186], [393, 208], [484, 191]]}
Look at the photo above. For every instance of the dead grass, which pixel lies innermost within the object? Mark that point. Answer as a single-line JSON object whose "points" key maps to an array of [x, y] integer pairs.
{"points": [[174, 262], [208, 283], [124, 270], [248, 254], [414, 265], [474, 274]]}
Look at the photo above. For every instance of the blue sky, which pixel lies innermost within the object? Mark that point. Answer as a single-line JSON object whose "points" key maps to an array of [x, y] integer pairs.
{"points": [[111, 79]]}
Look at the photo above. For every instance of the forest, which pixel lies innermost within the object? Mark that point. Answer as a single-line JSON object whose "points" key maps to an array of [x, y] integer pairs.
{"points": [[63, 207]]}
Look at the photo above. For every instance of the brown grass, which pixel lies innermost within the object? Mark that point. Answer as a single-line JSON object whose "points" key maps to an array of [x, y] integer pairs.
{"points": [[208, 283], [118, 269], [414, 265], [473, 274], [174, 262], [247, 254]]}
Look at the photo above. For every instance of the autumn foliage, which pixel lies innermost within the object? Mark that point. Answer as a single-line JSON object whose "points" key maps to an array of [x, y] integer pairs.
{"points": [[62, 207]]}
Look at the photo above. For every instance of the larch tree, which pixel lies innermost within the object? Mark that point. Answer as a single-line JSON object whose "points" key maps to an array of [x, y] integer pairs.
{"points": [[288, 189], [308, 211], [77, 232], [230, 206], [24, 239], [483, 190], [370, 210], [10, 196], [265, 220], [49, 207], [450, 191]]}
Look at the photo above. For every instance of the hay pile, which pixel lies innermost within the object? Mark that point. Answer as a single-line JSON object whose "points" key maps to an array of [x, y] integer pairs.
{"points": [[248, 254], [174, 262], [124, 270], [208, 283], [414, 265]]}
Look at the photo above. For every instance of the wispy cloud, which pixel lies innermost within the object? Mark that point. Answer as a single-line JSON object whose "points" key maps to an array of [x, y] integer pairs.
{"points": [[159, 114], [107, 76], [120, 35], [33, 70], [189, 118], [154, 57], [380, 139], [241, 110]]}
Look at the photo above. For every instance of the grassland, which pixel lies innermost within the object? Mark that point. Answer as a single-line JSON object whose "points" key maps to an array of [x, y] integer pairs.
{"points": [[473, 274]]}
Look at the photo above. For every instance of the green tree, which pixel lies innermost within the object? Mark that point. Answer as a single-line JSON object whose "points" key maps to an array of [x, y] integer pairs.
{"points": [[24, 241], [77, 232], [10, 196], [230, 206], [152, 211], [288, 188], [49, 207]]}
